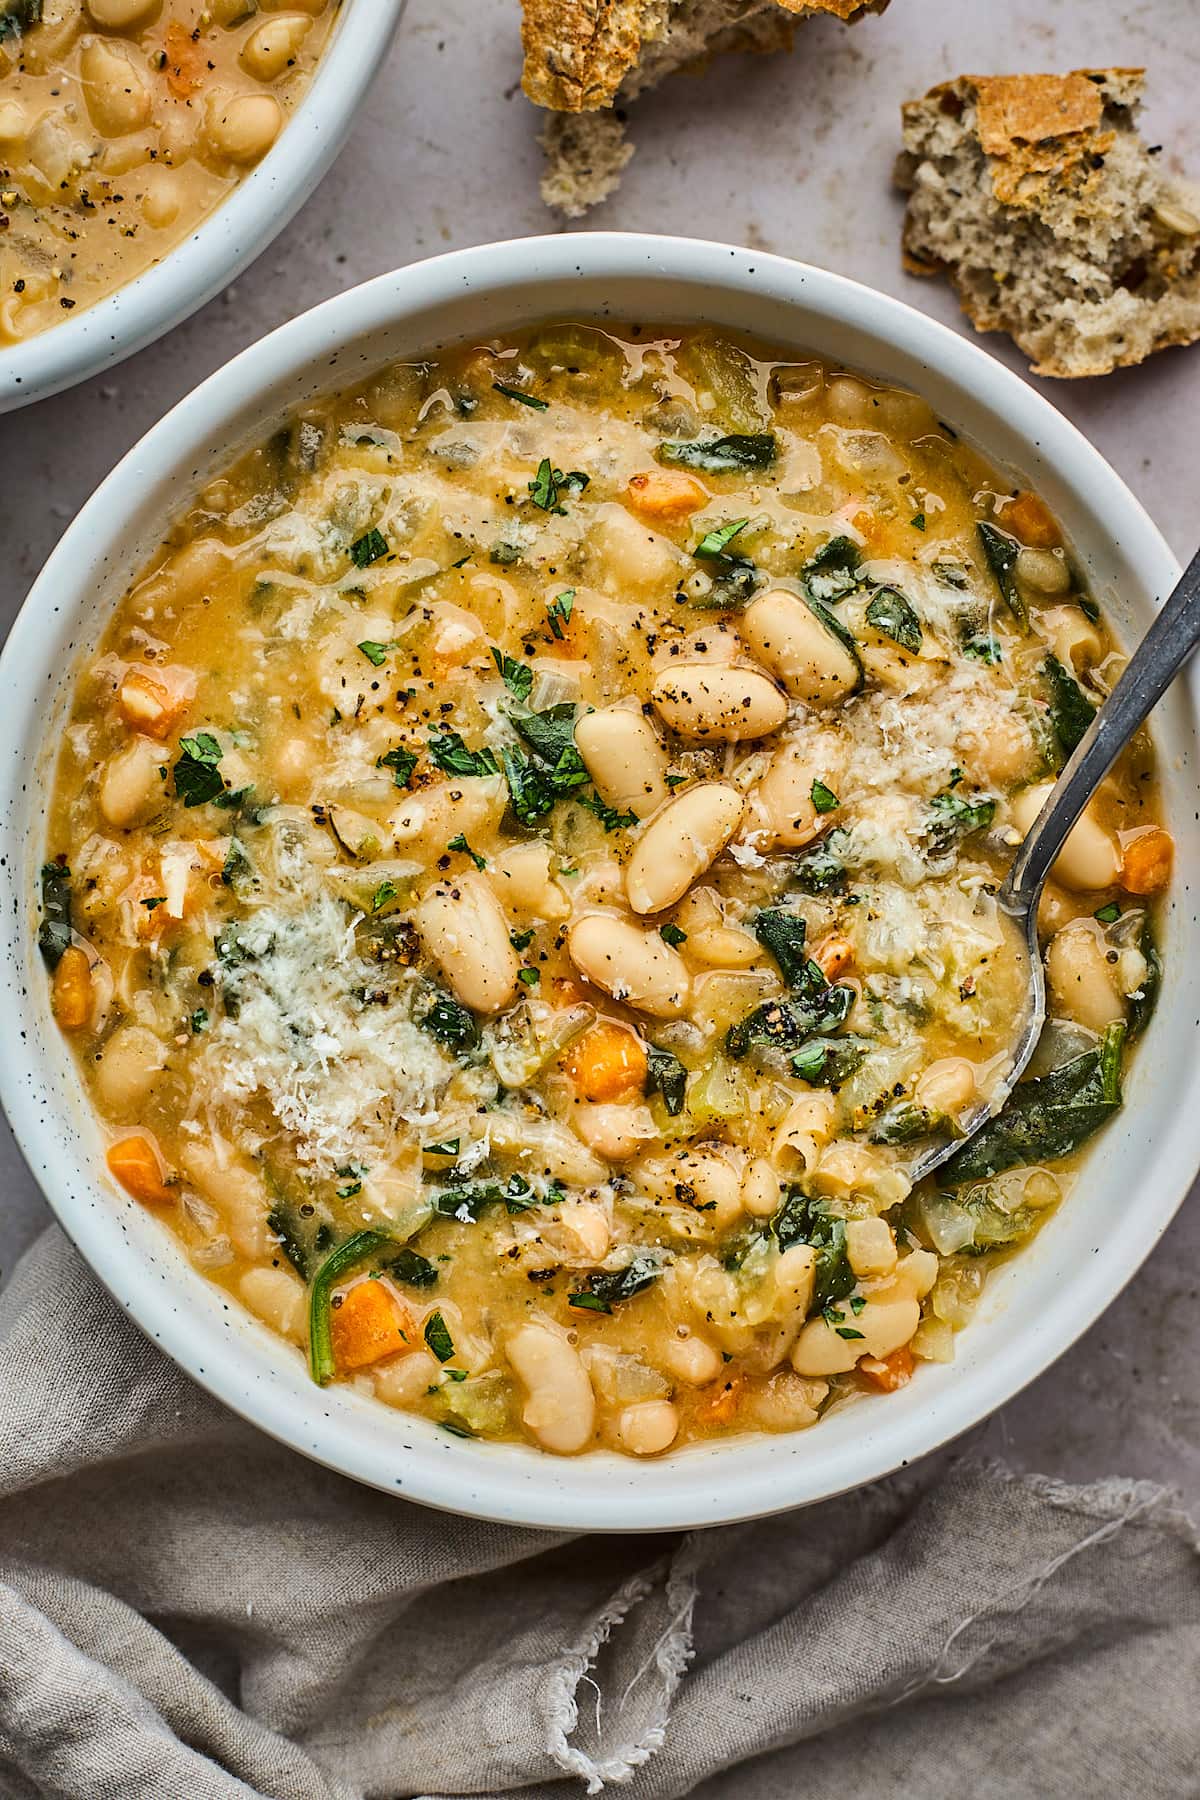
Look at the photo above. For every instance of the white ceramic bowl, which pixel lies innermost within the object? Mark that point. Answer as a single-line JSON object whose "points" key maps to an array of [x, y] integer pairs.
{"points": [[228, 239], [1034, 1307]]}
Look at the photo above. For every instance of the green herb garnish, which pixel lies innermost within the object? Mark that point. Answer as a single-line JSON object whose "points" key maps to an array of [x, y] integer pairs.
{"points": [[666, 1075], [559, 611], [54, 932], [606, 1288], [368, 548], [320, 1330], [515, 393], [197, 778], [823, 798], [459, 842], [447, 751], [889, 612], [517, 676], [401, 763], [1000, 553], [437, 1336], [723, 455], [374, 653]]}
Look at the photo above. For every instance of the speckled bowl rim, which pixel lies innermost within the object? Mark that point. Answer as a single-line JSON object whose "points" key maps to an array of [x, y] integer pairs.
{"points": [[228, 239], [1034, 1308]]}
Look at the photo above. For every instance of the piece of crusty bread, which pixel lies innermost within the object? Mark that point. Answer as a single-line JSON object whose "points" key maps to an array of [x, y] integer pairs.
{"points": [[584, 57], [1053, 220]]}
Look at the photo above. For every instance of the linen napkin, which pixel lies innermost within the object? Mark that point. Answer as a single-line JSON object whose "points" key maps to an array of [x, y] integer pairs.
{"points": [[189, 1611]]}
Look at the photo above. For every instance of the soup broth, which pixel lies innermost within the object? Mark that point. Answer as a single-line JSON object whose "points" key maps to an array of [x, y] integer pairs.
{"points": [[523, 884]]}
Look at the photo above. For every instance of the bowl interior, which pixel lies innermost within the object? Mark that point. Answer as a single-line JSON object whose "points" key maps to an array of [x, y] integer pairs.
{"points": [[1033, 1308]]}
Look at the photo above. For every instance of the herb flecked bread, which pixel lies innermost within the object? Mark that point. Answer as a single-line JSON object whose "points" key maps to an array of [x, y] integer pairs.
{"points": [[585, 57], [1052, 218]]}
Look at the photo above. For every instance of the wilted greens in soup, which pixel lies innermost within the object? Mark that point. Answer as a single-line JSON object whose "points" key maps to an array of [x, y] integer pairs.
{"points": [[523, 884], [122, 124]]}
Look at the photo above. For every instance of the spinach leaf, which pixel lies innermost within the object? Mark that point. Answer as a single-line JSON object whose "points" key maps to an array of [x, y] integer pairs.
{"points": [[802, 1220], [448, 752], [714, 543], [413, 1270], [723, 455], [834, 571], [1000, 553], [889, 612], [836, 630], [470, 1200], [606, 1288], [827, 1062], [54, 932], [1071, 712], [1142, 1003], [983, 646], [821, 869], [902, 1123], [952, 818], [734, 578], [786, 1024], [296, 1243], [666, 1075], [1047, 1117], [197, 777], [782, 936], [549, 733], [17, 16], [447, 1020]]}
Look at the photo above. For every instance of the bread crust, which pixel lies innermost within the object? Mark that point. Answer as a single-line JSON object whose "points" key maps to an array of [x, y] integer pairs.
{"points": [[578, 52], [1048, 145]]}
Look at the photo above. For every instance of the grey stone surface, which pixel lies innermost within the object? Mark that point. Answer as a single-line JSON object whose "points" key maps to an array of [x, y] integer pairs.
{"points": [[791, 154]]}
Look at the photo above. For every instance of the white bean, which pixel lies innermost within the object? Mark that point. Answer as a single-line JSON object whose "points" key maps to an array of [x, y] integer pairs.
{"points": [[278, 1298], [630, 964], [119, 15], [729, 702], [115, 90], [648, 1427], [947, 1085], [812, 663], [1091, 856], [273, 45], [1076, 641], [885, 1325], [680, 842], [466, 933], [127, 1069], [237, 1194], [1042, 572], [625, 759], [1081, 978], [870, 1247], [560, 1407], [780, 808], [131, 784], [692, 1359], [244, 128], [631, 560], [760, 1189]]}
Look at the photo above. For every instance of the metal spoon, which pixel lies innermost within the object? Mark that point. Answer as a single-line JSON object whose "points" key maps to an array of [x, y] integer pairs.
{"points": [[1166, 647]]}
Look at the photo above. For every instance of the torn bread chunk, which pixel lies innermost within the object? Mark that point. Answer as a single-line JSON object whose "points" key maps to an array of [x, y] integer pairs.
{"points": [[1038, 198], [586, 57]]}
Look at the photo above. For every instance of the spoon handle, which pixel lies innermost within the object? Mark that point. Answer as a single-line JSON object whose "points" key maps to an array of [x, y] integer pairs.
{"points": [[1171, 639]]}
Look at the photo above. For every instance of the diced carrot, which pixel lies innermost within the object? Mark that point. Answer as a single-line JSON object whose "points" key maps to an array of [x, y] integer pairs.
{"points": [[135, 1163], [1031, 520], [154, 700], [185, 60], [372, 1322], [834, 953], [1146, 861], [665, 494], [872, 527], [71, 993], [887, 1373], [720, 1407], [607, 1063]]}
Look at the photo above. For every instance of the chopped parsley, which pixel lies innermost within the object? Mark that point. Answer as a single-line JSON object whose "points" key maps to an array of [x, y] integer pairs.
{"points": [[448, 752], [823, 798], [606, 1288], [413, 1270], [449, 1021], [517, 676], [515, 393], [530, 977], [459, 842], [437, 1336], [197, 778], [671, 934], [716, 541], [559, 611], [374, 653], [609, 817], [368, 548], [384, 893], [401, 762], [521, 940], [549, 484], [1108, 915], [918, 521]]}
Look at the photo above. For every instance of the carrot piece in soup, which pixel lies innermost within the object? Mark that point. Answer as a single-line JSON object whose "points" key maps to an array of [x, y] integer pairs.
{"points": [[665, 494], [1146, 861], [135, 1163], [607, 1063], [1031, 520], [370, 1323], [887, 1373], [185, 60], [71, 994]]}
